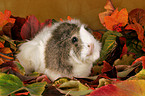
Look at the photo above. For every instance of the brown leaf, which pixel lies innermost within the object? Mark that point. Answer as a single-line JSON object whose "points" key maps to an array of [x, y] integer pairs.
{"points": [[138, 15], [16, 29], [109, 10], [139, 30], [7, 29]]}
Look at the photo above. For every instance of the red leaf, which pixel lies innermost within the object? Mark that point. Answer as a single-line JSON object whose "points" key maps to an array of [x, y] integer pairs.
{"points": [[16, 29], [20, 94], [32, 26], [1, 45], [106, 67], [140, 59], [123, 88], [43, 78], [124, 50]]}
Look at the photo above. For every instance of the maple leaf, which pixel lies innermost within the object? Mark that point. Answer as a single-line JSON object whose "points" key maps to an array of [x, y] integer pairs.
{"points": [[109, 9], [116, 18], [5, 18]]}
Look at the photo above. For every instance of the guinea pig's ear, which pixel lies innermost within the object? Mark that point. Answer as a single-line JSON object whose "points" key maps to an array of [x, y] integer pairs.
{"points": [[88, 29]]}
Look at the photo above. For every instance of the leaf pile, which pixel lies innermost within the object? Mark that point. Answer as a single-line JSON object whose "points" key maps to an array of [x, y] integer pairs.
{"points": [[120, 70]]}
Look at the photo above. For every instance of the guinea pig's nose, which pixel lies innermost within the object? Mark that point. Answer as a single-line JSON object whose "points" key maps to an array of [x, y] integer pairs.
{"points": [[91, 49]]}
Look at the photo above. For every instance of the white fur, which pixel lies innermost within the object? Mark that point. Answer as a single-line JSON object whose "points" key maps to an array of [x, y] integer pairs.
{"points": [[31, 54], [82, 68]]}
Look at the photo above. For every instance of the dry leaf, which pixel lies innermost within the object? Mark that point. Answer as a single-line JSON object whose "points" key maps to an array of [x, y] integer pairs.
{"points": [[109, 9], [5, 18], [116, 18]]}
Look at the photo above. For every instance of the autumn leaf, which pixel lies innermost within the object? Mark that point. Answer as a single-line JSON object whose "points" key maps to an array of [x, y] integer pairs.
{"points": [[16, 29], [138, 28], [1, 45], [10, 83], [20, 94], [106, 67], [32, 26], [109, 42], [4, 52], [5, 18], [109, 9], [116, 18], [74, 88], [124, 50], [142, 59], [138, 15], [69, 18], [123, 88]]}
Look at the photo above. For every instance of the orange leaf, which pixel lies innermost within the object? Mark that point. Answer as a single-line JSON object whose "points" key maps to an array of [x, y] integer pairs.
{"points": [[6, 51], [5, 18], [69, 18], [61, 19], [139, 30], [116, 18], [20, 94], [1, 61], [1, 45], [109, 9]]}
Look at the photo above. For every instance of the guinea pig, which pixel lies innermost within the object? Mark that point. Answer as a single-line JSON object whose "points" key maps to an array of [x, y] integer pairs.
{"points": [[66, 49]]}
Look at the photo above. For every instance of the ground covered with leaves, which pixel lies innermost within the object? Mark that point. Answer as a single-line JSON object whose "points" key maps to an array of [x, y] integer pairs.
{"points": [[120, 70]]}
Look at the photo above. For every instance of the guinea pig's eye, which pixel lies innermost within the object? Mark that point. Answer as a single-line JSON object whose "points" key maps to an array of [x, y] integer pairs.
{"points": [[74, 39]]}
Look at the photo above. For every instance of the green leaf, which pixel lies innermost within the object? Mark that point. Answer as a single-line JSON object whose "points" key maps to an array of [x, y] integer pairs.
{"points": [[36, 89], [20, 67], [139, 76], [74, 88], [122, 61], [125, 72], [75, 93], [108, 33], [9, 84], [109, 42]]}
